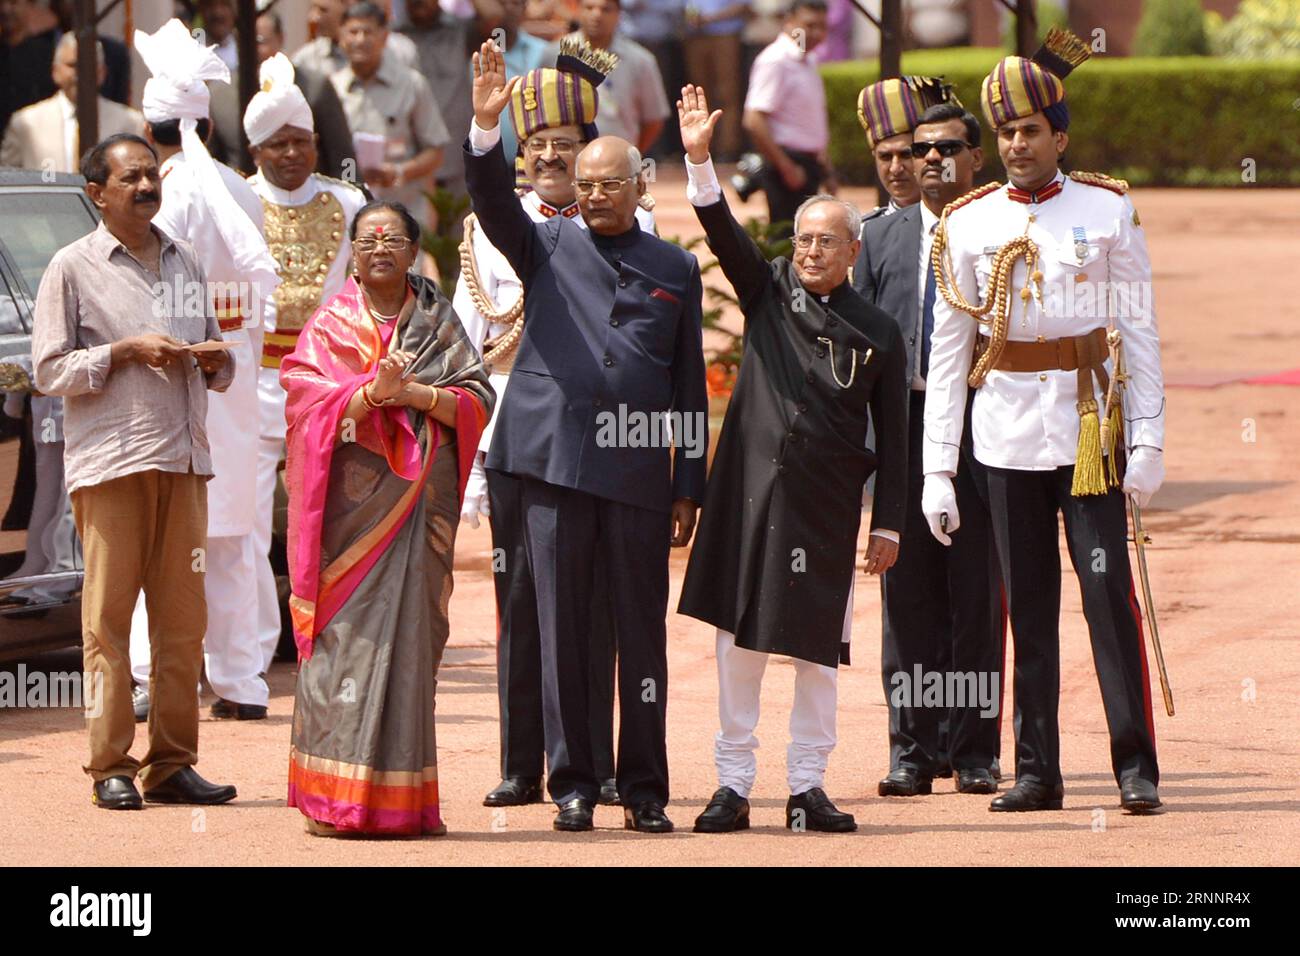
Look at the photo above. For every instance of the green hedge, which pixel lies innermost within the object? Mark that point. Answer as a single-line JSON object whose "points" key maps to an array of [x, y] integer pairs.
{"points": [[1159, 121]]}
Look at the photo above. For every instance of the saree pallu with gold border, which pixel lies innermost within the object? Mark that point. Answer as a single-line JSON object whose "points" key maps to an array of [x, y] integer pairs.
{"points": [[372, 525]]}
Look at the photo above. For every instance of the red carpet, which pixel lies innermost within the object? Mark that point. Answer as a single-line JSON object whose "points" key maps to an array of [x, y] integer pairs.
{"points": [[1289, 377]]}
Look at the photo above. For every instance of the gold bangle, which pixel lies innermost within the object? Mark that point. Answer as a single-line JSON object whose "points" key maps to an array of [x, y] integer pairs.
{"points": [[366, 400], [434, 403]]}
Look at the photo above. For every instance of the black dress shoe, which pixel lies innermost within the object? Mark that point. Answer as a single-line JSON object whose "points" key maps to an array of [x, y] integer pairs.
{"points": [[1137, 795], [647, 818], [140, 703], [727, 811], [904, 782], [229, 710], [608, 793], [116, 793], [1027, 795], [186, 786], [976, 781], [515, 792], [813, 810], [575, 816]]}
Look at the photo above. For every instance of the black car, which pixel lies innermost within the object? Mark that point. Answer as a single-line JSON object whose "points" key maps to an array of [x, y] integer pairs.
{"points": [[40, 558]]}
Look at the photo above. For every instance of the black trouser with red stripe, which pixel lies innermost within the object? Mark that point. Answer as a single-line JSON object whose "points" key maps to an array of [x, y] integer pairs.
{"points": [[1024, 505]]}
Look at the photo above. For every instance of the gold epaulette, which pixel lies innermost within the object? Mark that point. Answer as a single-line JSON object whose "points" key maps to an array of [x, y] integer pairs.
{"points": [[1100, 179], [340, 182], [971, 196]]}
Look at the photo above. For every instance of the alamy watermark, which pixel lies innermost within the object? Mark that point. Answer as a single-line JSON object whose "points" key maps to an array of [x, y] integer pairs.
{"points": [[947, 689], [40, 689], [624, 428], [183, 297]]}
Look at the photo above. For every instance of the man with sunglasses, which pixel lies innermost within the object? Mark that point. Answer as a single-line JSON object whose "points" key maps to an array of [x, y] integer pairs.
{"points": [[612, 329], [489, 302], [773, 566], [941, 606]]}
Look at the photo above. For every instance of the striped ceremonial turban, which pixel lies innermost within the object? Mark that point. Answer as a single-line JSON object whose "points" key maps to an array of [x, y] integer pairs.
{"points": [[893, 106], [1018, 87], [563, 96]]}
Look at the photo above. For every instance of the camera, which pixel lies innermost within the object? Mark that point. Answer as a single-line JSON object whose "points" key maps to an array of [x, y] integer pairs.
{"points": [[748, 177]]}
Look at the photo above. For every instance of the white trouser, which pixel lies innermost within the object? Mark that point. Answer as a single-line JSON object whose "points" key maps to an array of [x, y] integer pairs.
{"points": [[270, 450], [232, 657], [812, 719]]}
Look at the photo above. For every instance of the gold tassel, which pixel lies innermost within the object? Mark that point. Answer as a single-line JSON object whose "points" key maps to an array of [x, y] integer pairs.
{"points": [[1111, 432], [1067, 46], [1089, 473], [603, 61]]}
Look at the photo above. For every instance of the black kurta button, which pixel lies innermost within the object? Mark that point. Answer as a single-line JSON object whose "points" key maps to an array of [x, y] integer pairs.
{"points": [[622, 283], [821, 353], [803, 406], [609, 362], [809, 378], [780, 467], [614, 322]]}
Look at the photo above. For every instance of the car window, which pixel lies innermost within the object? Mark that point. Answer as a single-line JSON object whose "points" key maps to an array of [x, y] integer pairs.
{"points": [[11, 315], [39, 224]]}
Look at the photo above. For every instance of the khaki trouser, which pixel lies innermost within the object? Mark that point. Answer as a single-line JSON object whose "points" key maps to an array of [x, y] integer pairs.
{"points": [[144, 530], [714, 63]]}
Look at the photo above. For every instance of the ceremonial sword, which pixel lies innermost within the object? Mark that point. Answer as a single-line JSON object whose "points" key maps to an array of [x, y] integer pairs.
{"points": [[1140, 541]]}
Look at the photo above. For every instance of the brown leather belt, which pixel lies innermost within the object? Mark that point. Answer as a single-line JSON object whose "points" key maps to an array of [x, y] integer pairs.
{"points": [[1066, 354]]}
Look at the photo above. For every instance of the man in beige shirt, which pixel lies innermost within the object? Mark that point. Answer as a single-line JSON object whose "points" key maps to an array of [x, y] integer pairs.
{"points": [[393, 104], [324, 54], [117, 315], [44, 135]]}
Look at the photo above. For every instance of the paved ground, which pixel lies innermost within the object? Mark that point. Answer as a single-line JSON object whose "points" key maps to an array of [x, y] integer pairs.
{"points": [[1224, 566]]}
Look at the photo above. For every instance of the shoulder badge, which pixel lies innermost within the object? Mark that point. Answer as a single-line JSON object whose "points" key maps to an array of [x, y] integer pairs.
{"points": [[339, 182], [977, 193], [1100, 179]]}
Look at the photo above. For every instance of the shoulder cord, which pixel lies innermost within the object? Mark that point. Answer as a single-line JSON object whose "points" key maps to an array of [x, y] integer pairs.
{"points": [[513, 316], [999, 297]]}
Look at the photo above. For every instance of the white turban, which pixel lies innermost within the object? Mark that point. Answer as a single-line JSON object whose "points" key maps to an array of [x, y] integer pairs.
{"points": [[179, 67], [176, 90], [278, 103]]}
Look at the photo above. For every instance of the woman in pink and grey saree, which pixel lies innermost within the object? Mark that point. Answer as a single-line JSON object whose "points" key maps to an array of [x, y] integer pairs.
{"points": [[386, 399]]}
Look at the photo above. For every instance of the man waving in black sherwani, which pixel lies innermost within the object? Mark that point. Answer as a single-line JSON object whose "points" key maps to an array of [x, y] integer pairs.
{"points": [[773, 563]]}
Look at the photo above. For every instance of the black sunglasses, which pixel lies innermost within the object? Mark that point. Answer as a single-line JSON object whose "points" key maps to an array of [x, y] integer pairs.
{"points": [[946, 147]]}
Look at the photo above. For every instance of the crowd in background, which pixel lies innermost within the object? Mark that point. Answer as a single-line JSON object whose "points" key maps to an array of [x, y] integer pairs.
{"points": [[377, 122]]}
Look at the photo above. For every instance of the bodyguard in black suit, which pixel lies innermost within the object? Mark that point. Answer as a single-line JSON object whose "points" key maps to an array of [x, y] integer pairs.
{"points": [[612, 341], [942, 606]]}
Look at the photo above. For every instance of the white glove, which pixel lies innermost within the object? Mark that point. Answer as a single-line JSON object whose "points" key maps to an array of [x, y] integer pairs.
{"points": [[476, 497], [939, 499], [1145, 473]]}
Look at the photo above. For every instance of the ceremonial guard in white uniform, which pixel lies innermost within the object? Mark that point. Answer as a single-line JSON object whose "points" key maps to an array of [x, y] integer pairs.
{"points": [[212, 207], [307, 217], [1045, 307], [553, 111]]}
